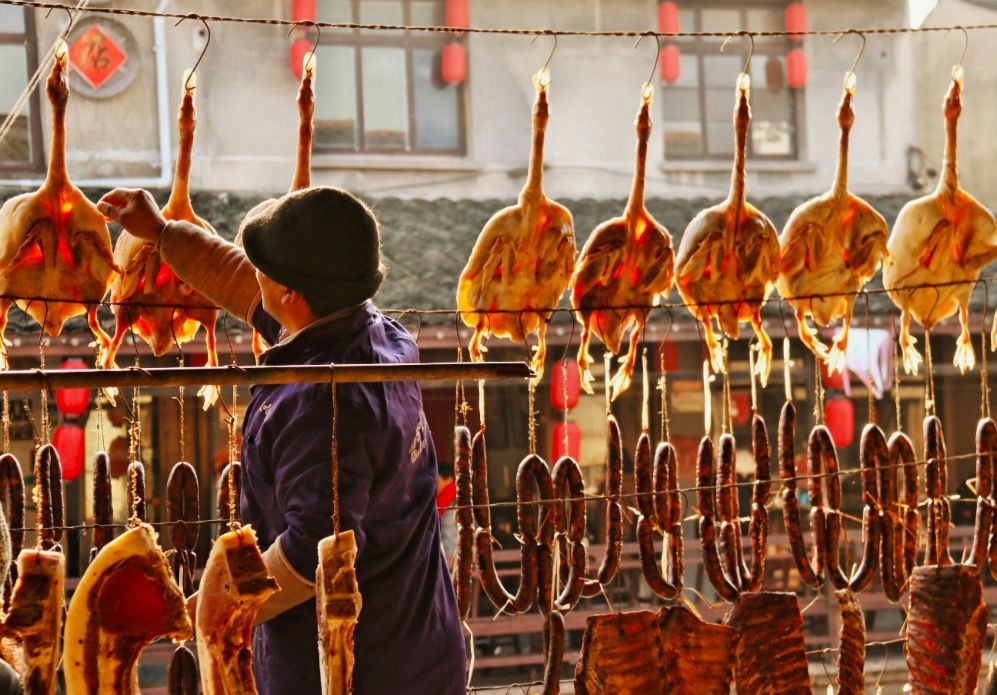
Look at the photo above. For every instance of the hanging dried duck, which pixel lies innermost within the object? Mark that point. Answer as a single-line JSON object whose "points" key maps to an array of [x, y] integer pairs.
{"points": [[53, 242], [728, 260], [831, 246], [523, 258], [148, 297], [625, 267]]}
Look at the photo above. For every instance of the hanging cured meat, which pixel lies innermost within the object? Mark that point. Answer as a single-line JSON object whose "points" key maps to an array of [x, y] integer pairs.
{"points": [[729, 257], [625, 267], [832, 245], [851, 641], [234, 585], [339, 605], [698, 656], [53, 242], [35, 616], [621, 654], [523, 259], [769, 660], [126, 599], [148, 297], [944, 239]]}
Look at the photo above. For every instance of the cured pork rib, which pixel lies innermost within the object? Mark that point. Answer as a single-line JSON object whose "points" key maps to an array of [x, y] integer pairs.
{"points": [[621, 654], [35, 616], [149, 298], [626, 265], [770, 657], [126, 599], [523, 259], [946, 627], [54, 242], [698, 656], [234, 585], [338, 606]]}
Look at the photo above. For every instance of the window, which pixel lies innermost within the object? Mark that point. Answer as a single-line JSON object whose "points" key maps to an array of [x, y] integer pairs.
{"points": [[381, 92], [22, 148], [698, 107]]}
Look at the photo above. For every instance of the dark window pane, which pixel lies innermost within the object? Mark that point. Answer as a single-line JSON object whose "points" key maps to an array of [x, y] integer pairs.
{"points": [[770, 105], [16, 147], [772, 138], [336, 98], [385, 106], [720, 105], [435, 104], [683, 138], [11, 20]]}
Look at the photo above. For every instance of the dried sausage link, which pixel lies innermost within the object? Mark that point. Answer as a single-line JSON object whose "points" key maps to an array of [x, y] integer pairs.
{"points": [[182, 563], [545, 578], [669, 508], [574, 582], [183, 505], [851, 645], [521, 601], [986, 435], [891, 527], [643, 476], [650, 567], [136, 490], [568, 483], [462, 475], [554, 641], [182, 674], [464, 569], [103, 510], [614, 512], [728, 512], [479, 481], [874, 457], [12, 498], [48, 496], [936, 482], [759, 526], [790, 503], [706, 484], [902, 454]]}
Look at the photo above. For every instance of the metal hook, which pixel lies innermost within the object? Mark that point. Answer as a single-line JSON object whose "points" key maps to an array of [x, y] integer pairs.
{"points": [[318, 32], [965, 43], [186, 84], [654, 65], [69, 11], [861, 48], [751, 48], [547, 32]]}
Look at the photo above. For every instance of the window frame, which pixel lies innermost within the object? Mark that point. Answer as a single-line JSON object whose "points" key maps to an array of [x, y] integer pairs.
{"points": [[408, 41], [36, 160], [701, 47]]}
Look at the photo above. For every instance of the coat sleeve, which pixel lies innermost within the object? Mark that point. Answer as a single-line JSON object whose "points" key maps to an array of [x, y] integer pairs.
{"points": [[303, 475]]}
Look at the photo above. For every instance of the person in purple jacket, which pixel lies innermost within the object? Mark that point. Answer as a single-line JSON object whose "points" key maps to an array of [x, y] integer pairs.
{"points": [[310, 266]]}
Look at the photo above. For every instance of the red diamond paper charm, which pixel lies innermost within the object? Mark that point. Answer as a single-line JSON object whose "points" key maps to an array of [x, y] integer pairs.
{"points": [[96, 56]]}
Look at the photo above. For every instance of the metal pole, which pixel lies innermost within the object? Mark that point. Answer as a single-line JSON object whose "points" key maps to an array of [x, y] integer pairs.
{"points": [[35, 379]]}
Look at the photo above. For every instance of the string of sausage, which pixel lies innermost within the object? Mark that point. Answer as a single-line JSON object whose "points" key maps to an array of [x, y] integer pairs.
{"points": [[660, 512], [464, 558], [12, 498], [48, 497], [706, 481], [553, 637], [614, 512], [986, 448], [936, 481], [569, 532], [103, 510], [811, 572], [182, 677], [183, 508], [900, 528]]}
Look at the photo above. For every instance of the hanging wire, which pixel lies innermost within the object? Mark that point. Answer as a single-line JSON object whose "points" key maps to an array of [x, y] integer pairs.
{"points": [[334, 452]]}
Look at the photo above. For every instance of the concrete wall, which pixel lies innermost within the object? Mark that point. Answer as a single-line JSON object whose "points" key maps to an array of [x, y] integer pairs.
{"points": [[247, 114]]}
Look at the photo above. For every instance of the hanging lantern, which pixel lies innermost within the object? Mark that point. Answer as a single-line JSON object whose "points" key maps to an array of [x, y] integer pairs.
{"points": [[796, 68], [72, 402], [775, 76], [796, 20], [565, 385], [574, 437], [839, 416], [298, 51], [740, 409], [304, 10], [671, 63], [668, 18], [836, 380], [455, 14], [70, 442], [453, 66]]}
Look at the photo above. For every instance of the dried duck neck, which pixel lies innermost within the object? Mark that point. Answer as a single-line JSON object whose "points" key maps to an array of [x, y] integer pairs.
{"points": [[58, 94], [180, 195], [846, 117], [636, 202], [533, 191], [953, 107], [306, 107], [742, 118]]}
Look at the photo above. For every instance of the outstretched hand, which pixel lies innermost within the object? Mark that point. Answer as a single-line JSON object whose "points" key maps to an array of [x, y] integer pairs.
{"points": [[135, 210]]}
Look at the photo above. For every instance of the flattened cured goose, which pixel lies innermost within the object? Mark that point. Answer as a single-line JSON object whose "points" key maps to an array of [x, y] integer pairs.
{"points": [[338, 605], [832, 245], [35, 615], [54, 242], [148, 296], [627, 263], [729, 257], [234, 585], [523, 259], [944, 237], [126, 599]]}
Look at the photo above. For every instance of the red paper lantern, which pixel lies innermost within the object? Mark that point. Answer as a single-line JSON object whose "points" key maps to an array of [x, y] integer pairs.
{"points": [[668, 18], [834, 381], [455, 14], [796, 20], [453, 67], [565, 385], [740, 409], [70, 442], [298, 50], [574, 437], [671, 63], [304, 10], [796, 68], [72, 402], [839, 416]]}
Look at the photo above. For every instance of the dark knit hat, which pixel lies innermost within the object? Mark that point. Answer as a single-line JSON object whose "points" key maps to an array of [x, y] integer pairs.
{"points": [[321, 242]]}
